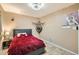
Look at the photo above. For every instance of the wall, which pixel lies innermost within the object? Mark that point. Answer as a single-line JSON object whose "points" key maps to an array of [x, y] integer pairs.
{"points": [[53, 31], [0, 24], [1, 11], [0, 27], [20, 22], [0, 19], [78, 39]]}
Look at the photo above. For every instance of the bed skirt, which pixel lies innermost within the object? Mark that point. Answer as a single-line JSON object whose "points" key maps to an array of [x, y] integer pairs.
{"points": [[37, 52]]}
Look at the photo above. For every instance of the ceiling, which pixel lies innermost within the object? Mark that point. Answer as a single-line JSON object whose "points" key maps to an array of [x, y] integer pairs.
{"points": [[24, 9]]}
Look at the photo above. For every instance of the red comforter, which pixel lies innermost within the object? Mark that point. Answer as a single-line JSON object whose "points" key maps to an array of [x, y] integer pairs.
{"points": [[24, 44]]}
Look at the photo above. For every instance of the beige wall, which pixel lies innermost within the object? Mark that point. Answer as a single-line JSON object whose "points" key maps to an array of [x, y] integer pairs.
{"points": [[78, 39], [0, 28], [54, 32], [20, 22], [0, 19], [0, 24]]}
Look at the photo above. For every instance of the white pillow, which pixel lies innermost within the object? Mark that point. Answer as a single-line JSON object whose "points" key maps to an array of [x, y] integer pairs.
{"points": [[18, 35]]}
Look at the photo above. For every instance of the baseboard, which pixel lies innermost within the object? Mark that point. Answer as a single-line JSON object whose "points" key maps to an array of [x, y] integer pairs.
{"points": [[62, 48]]}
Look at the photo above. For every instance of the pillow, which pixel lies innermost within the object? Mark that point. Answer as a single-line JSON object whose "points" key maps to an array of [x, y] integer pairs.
{"points": [[18, 35]]}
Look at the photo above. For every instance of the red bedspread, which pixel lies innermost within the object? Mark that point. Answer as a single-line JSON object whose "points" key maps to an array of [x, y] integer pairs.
{"points": [[24, 44]]}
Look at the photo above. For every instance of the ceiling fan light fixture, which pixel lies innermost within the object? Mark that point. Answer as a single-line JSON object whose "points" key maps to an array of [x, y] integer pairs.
{"points": [[36, 6]]}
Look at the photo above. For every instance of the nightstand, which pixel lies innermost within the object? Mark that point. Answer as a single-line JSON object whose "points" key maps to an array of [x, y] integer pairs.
{"points": [[6, 44]]}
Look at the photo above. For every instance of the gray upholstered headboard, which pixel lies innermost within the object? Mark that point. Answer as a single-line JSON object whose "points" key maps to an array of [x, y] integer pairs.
{"points": [[16, 31]]}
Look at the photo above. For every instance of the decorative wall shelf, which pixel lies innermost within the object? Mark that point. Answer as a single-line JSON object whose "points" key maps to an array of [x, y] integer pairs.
{"points": [[70, 27], [66, 26]]}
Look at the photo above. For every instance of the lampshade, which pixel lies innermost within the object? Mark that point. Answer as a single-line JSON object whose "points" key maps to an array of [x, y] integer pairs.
{"points": [[7, 33]]}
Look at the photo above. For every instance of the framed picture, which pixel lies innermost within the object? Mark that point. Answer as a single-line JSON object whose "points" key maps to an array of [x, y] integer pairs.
{"points": [[73, 18]]}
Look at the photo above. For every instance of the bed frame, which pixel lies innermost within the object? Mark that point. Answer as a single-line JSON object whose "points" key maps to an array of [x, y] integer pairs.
{"points": [[29, 31]]}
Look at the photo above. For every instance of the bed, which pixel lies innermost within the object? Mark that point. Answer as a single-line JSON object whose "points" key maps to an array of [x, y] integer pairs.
{"points": [[25, 45]]}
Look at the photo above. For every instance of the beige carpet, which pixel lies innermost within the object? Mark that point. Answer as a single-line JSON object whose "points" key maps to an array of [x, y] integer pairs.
{"points": [[50, 50]]}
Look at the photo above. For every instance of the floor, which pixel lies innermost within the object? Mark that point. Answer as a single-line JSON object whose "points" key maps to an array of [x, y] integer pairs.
{"points": [[50, 50]]}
